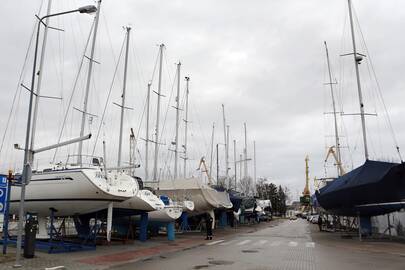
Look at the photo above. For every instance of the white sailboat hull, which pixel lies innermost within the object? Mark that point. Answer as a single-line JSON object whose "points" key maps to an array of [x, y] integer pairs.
{"points": [[144, 200], [204, 197], [70, 192], [188, 206], [168, 214]]}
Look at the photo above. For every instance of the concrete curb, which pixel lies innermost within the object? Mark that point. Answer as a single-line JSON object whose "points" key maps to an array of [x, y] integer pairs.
{"points": [[154, 256]]}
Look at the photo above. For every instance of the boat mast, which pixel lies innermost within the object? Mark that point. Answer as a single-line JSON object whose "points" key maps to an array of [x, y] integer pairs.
{"points": [[217, 165], [227, 155], [186, 127], [357, 60], [212, 149], [128, 29], [147, 133], [176, 150], [105, 161], [234, 159], [89, 73], [240, 166], [41, 67], [334, 114], [225, 142], [132, 149], [245, 153], [254, 163], [155, 165]]}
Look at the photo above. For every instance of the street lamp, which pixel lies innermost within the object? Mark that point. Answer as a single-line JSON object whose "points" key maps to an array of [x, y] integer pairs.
{"points": [[29, 153], [87, 9]]}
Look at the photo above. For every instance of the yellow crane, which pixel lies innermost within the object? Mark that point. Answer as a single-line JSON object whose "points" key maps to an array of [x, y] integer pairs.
{"points": [[332, 152], [305, 199], [202, 162], [306, 191], [341, 170]]}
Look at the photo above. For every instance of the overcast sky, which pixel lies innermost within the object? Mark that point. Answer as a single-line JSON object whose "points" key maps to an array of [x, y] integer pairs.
{"points": [[265, 60]]}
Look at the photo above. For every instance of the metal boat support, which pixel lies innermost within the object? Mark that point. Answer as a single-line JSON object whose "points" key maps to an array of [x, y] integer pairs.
{"points": [[109, 220], [143, 229], [184, 226]]}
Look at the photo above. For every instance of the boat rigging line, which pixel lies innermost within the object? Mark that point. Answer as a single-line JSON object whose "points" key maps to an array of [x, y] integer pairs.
{"points": [[22, 73], [74, 88], [108, 96], [388, 118], [337, 145], [89, 77]]}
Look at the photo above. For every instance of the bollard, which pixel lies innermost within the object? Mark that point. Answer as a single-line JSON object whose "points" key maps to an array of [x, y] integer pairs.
{"points": [[30, 237], [143, 229], [170, 231]]}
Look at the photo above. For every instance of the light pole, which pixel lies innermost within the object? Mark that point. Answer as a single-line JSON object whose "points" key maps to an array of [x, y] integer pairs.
{"points": [[29, 153]]}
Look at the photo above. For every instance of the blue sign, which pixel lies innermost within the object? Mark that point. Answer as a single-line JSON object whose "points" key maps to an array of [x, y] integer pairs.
{"points": [[3, 193], [3, 181]]}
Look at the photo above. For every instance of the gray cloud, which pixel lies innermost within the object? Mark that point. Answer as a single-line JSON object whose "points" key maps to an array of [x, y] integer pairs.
{"points": [[263, 59]]}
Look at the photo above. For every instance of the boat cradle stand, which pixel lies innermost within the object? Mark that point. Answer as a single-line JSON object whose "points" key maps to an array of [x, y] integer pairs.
{"points": [[57, 242], [143, 228], [170, 229]]}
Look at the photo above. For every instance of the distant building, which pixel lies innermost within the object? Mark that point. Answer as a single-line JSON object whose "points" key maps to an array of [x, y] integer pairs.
{"points": [[295, 205]]}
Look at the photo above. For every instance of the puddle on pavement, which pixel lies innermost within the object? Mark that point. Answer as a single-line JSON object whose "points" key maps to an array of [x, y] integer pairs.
{"points": [[221, 262], [203, 266], [250, 251]]}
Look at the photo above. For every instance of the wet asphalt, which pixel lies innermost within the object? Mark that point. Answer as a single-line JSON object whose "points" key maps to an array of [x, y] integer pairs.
{"points": [[293, 244]]}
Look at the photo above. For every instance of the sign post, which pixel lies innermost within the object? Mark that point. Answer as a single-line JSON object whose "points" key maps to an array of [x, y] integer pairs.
{"points": [[5, 188]]}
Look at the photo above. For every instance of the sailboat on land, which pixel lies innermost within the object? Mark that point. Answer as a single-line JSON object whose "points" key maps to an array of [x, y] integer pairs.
{"points": [[376, 187], [76, 188], [143, 200], [72, 190], [189, 190], [205, 197], [172, 210]]}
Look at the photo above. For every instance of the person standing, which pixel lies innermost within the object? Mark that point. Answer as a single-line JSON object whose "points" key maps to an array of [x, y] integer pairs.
{"points": [[208, 224], [320, 222], [255, 214], [231, 219]]}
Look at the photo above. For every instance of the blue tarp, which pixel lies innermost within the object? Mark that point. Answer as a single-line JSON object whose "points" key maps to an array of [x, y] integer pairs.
{"points": [[372, 183]]}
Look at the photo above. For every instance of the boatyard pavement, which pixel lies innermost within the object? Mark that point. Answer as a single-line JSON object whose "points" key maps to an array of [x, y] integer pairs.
{"points": [[280, 244]]}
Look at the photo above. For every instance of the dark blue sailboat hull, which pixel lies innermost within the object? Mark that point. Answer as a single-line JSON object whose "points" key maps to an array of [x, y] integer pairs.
{"points": [[375, 188]]}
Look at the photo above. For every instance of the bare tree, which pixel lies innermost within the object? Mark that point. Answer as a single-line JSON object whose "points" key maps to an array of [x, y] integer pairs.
{"points": [[246, 186]]}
